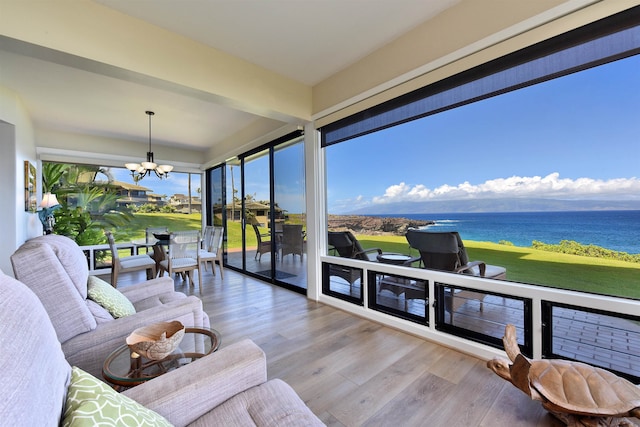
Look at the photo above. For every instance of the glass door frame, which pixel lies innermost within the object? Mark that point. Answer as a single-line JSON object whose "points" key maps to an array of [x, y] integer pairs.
{"points": [[270, 148]]}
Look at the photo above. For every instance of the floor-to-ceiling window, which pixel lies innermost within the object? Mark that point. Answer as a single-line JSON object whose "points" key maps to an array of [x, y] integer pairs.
{"points": [[290, 221], [94, 198], [260, 241], [536, 150], [532, 158], [263, 210]]}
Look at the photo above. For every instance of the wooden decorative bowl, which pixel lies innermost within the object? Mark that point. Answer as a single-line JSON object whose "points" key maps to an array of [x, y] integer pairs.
{"points": [[156, 341]]}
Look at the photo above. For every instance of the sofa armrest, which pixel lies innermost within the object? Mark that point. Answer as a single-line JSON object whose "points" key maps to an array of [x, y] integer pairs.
{"points": [[184, 395], [89, 350], [147, 289]]}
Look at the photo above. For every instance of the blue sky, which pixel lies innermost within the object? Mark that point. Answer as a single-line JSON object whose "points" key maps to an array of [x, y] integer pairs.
{"points": [[576, 137], [175, 183], [288, 177]]}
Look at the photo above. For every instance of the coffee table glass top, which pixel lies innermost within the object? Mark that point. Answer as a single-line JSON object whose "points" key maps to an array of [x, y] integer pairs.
{"points": [[126, 368]]}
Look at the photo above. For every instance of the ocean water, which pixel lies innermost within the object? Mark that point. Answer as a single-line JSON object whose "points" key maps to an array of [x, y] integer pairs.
{"points": [[615, 230]]}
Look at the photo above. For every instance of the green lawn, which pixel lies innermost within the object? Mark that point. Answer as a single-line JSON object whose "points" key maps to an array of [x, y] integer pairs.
{"points": [[176, 221], [534, 266], [524, 265]]}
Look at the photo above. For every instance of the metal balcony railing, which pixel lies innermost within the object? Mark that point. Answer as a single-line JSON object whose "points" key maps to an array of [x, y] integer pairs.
{"points": [[470, 313]]}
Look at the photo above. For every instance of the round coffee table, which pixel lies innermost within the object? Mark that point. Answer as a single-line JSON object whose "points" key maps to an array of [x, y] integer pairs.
{"points": [[126, 368]]}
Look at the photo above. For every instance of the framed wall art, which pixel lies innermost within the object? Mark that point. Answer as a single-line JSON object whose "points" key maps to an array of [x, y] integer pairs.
{"points": [[30, 201]]}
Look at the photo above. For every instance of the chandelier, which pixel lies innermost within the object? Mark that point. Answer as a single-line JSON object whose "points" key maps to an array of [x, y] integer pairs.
{"points": [[140, 170]]}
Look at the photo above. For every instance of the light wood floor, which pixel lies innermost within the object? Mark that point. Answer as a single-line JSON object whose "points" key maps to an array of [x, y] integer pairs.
{"points": [[354, 372]]}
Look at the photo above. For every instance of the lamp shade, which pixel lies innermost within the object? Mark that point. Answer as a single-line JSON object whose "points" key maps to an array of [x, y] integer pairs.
{"points": [[49, 200]]}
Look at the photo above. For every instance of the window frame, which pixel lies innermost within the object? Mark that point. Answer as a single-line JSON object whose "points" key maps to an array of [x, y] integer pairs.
{"points": [[610, 39]]}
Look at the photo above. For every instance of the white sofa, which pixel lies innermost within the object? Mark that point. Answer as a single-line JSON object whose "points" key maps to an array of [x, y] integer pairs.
{"points": [[226, 388], [55, 269]]}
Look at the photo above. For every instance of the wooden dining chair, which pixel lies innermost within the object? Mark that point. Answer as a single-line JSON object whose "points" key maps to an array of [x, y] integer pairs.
{"points": [[211, 250], [183, 255], [128, 263]]}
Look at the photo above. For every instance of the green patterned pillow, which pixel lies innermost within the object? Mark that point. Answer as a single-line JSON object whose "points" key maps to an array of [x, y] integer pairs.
{"points": [[90, 402], [109, 297]]}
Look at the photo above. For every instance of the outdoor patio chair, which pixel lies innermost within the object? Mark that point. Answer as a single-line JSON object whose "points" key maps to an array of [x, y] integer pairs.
{"points": [[446, 251], [345, 244], [264, 246], [128, 263], [292, 240]]}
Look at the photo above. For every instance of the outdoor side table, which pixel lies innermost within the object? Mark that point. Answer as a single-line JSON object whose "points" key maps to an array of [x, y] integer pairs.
{"points": [[395, 259], [397, 285], [124, 368]]}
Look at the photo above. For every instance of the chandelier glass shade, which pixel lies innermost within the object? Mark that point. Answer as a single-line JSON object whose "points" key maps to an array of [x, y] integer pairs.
{"points": [[142, 169]]}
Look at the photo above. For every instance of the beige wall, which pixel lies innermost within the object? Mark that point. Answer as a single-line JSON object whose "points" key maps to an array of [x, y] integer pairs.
{"points": [[87, 29], [17, 145], [467, 35], [258, 133], [472, 32], [56, 146]]}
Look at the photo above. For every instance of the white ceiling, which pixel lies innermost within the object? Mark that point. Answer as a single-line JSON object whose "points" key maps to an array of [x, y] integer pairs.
{"points": [[306, 40]]}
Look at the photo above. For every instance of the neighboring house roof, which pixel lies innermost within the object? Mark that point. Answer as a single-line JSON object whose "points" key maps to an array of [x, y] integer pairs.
{"points": [[254, 206], [132, 200], [127, 186]]}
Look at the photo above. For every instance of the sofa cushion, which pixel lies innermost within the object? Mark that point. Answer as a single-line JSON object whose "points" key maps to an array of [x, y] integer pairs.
{"points": [[160, 299], [38, 265], [109, 297], [69, 255], [273, 403], [99, 312], [90, 402], [35, 374]]}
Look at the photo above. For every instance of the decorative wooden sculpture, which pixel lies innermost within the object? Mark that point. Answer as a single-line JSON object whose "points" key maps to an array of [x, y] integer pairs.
{"points": [[576, 393], [156, 341]]}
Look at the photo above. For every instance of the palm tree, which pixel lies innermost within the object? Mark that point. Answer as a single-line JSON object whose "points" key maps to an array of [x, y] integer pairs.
{"points": [[86, 206]]}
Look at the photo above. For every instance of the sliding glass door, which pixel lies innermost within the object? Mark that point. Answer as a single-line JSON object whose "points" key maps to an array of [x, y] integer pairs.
{"points": [[260, 244], [264, 212], [291, 218]]}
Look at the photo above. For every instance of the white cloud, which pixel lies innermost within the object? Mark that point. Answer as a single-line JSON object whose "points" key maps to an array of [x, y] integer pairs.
{"points": [[349, 204], [549, 187]]}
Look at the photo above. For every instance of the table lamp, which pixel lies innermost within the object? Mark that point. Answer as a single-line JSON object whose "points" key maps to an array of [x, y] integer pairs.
{"points": [[49, 204]]}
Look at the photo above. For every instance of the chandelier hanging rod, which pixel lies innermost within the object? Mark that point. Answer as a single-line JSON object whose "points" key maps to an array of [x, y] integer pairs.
{"points": [[140, 170]]}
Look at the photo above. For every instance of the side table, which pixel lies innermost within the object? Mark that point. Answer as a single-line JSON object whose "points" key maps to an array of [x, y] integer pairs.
{"points": [[396, 259], [124, 368], [412, 289]]}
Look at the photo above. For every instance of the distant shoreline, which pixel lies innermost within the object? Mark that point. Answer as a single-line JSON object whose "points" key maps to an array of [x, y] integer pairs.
{"points": [[375, 225], [613, 230]]}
